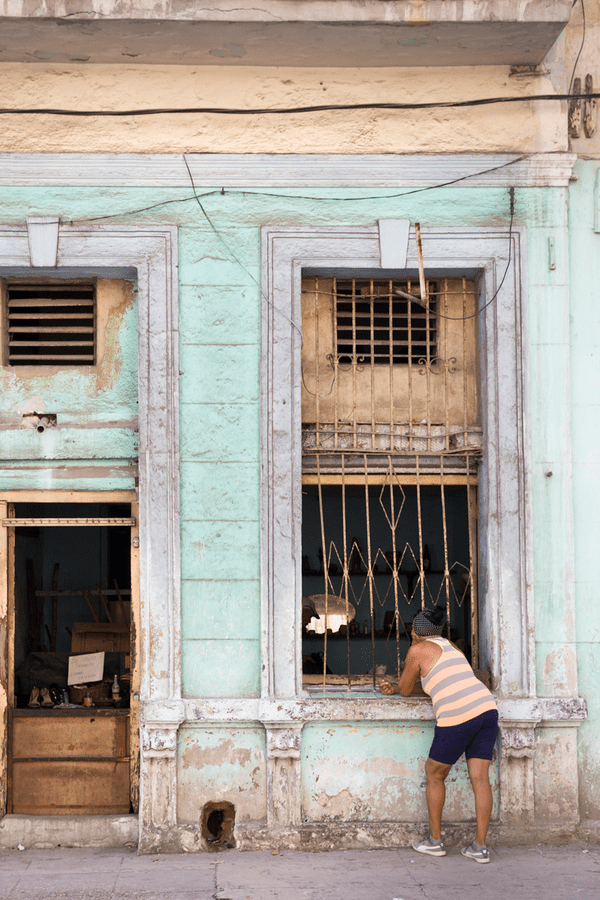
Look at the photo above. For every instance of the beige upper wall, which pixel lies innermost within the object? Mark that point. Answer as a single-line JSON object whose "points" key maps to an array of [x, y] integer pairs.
{"points": [[514, 127]]}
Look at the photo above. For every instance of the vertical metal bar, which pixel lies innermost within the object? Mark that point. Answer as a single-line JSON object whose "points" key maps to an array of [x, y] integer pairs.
{"points": [[370, 568], [443, 323], [316, 302], [325, 567], [422, 282], [336, 362], [464, 364], [345, 566], [395, 575], [354, 363], [420, 526], [445, 530], [428, 376], [391, 363], [410, 371], [472, 518], [372, 332]]}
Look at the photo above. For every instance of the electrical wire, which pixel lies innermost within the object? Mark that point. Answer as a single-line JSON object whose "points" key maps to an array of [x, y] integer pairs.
{"points": [[295, 325], [292, 110], [258, 194], [232, 254], [438, 315]]}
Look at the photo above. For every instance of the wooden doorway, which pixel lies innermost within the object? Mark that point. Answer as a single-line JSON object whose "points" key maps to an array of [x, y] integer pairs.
{"points": [[69, 585]]}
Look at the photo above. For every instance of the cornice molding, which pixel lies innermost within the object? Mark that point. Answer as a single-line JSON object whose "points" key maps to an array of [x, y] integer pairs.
{"points": [[284, 170]]}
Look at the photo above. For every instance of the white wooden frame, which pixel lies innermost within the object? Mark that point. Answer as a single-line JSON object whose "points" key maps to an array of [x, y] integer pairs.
{"points": [[150, 254], [504, 489]]}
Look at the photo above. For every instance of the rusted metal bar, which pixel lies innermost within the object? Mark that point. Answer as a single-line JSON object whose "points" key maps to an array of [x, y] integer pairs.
{"points": [[370, 573], [422, 282], [445, 533], [325, 572], [345, 568]]}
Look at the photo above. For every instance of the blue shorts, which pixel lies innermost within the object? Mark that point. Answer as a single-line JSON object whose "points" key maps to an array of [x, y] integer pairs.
{"points": [[475, 738]]}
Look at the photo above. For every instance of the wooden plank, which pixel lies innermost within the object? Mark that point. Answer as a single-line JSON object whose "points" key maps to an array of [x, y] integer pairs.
{"points": [[124, 615], [104, 604], [120, 613], [68, 788], [68, 496], [6, 638], [122, 738], [10, 567], [378, 478], [93, 637], [64, 736], [90, 602]]}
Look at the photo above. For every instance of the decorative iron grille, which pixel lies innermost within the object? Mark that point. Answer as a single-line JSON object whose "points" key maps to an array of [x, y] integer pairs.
{"points": [[391, 444], [51, 325], [374, 325]]}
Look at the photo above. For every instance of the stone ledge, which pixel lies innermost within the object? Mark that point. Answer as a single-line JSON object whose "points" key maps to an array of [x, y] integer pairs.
{"points": [[246, 170], [546, 710], [45, 832]]}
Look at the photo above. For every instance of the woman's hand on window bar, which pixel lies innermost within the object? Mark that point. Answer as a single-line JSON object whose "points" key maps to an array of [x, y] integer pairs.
{"points": [[388, 687]]}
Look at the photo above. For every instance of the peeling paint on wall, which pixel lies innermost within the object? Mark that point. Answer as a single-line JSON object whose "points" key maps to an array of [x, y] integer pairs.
{"points": [[222, 763]]}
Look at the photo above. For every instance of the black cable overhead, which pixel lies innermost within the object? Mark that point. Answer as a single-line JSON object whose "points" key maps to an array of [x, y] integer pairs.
{"points": [[291, 110]]}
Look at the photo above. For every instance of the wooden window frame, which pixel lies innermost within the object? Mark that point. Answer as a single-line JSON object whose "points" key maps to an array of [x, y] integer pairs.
{"points": [[7, 601]]}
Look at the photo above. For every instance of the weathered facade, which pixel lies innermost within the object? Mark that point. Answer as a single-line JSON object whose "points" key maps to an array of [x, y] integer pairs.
{"points": [[213, 242]]}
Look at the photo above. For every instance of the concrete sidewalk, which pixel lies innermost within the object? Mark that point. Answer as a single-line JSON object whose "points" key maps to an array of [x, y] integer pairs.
{"points": [[531, 873]]}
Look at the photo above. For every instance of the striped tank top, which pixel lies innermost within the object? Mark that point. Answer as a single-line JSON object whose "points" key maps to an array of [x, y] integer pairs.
{"points": [[457, 695]]}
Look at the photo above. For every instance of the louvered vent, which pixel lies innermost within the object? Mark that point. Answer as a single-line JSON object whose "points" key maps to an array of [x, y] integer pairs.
{"points": [[51, 325]]}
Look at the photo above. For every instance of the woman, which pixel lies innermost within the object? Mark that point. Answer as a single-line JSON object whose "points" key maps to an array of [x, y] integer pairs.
{"points": [[466, 722]]}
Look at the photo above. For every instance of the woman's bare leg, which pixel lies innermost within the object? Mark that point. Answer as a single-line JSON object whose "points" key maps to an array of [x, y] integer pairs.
{"points": [[480, 782], [435, 793]]}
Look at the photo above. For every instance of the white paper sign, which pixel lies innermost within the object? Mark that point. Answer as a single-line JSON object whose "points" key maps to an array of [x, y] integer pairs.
{"points": [[86, 668]]}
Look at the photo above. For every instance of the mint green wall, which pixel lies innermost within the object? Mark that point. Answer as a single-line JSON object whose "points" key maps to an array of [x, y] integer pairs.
{"points": [[549, 391], [585, 406], [220, 372], [382, 778]]}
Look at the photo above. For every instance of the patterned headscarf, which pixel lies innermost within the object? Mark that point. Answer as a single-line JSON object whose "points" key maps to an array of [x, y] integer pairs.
{"points": [[423, 625]]}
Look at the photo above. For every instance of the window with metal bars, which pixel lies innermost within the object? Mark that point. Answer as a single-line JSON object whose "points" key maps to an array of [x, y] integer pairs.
{"points": [[50, 324], [374, 324], [391, 445]]}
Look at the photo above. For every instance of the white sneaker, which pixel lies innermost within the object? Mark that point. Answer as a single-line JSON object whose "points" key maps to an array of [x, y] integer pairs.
{"points": [[430, 847], [478, 854]]}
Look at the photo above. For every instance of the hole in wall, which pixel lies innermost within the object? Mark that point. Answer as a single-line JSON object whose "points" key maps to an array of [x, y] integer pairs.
{"points": [[217, 823]]}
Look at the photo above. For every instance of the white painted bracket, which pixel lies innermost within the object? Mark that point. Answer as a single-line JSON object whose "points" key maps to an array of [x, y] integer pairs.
{"points": [[393, 242], [42, 232]]}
